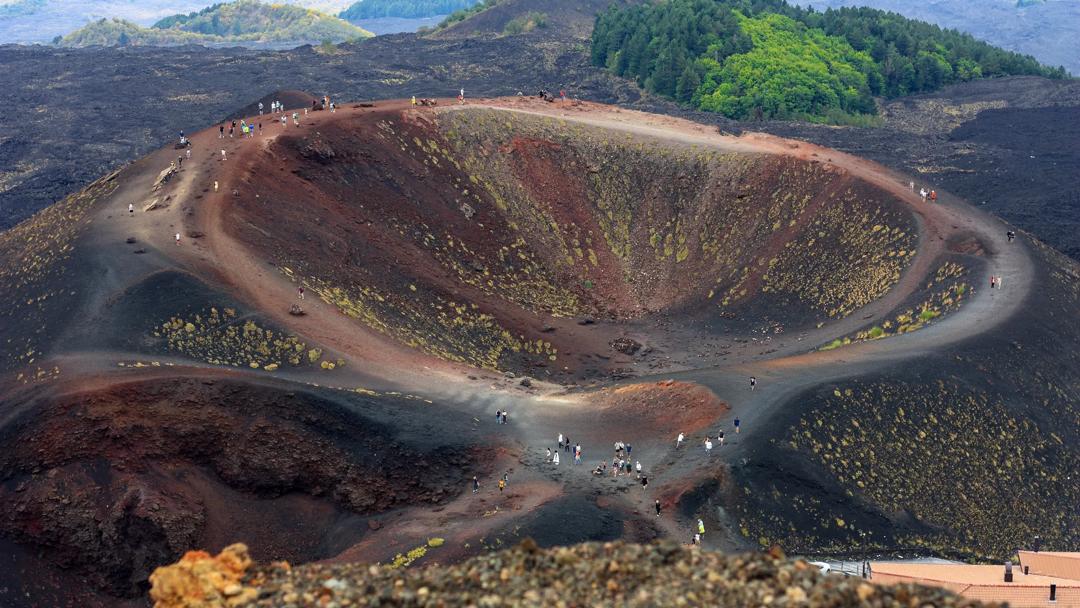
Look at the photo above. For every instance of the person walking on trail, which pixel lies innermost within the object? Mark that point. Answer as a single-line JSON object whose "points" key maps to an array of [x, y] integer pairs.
{"points": [[911, 185], [577, 453], [999, 279], [221, 132], [300, 292], [566, 445], [502, 485], [629, 448], [223, 157], [560, 441], [753, 382], [708, 446], [701, 527], [720, 438], [215, 186], [498, 416], [933, 196], [549, 455], [131, 209], [736, 426], [506, 477], [679, 440], [475, 485], [1010, 235], [555, 459], [177, 238], [697, 539], [179, 162], [923, 193], [637, 467], [414, 100], [993, 281], [644, 482], [461, 97], [260, 108], [657, 504]]}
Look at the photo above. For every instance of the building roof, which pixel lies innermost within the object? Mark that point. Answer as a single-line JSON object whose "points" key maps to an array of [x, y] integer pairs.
{"points": [[1052, 563], [987, 583], [964, 574]]}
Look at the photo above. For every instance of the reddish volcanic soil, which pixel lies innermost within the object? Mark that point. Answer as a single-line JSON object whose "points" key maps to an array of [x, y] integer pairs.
{"points": [[607, 275], [115, 481]]}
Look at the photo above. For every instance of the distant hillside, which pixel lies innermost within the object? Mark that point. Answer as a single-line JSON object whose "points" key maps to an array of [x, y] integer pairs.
{"points": [[406, 9], [1045, 29], [770, 59], [496, 17], [19, 7], [236, 22], [30, 21]]}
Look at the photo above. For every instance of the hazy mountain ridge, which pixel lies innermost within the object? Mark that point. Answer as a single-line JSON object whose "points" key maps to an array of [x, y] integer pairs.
{"points": [[242, 21], [1047, 30], [39, 21]]}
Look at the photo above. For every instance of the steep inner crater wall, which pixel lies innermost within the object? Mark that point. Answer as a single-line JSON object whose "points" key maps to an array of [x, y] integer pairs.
{"points": [[471, 233]]}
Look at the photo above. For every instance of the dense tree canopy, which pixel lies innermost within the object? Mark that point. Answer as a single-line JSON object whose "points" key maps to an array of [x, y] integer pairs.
{"points": [[765, 58], [371, 9]]}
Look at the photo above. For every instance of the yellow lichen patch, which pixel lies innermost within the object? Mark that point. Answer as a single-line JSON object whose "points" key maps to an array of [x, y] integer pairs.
{"points": [[981, 479], [34, 258], [220, 337], [865, 257], [454, 331], [947, 291]]}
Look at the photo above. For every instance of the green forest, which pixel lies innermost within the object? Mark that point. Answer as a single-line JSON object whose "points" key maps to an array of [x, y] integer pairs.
{"points": [[408, 9], [465, 13], [766, 59], [270, 21]]}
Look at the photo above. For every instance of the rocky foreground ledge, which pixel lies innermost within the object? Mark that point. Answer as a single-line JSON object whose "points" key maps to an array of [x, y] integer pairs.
{"points": [[609, 574]]}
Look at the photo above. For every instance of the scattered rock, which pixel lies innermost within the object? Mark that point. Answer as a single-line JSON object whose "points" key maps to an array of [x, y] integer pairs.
{"points": [[163, 178], [594, 574], [627, 346], [200, 580]]}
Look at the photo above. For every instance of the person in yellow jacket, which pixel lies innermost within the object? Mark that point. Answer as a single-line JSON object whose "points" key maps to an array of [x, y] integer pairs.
{"points": [[414, 100]]}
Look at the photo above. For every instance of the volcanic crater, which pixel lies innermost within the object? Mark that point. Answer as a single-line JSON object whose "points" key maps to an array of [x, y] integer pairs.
{"points": [[488, 236], [301, 338]]}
